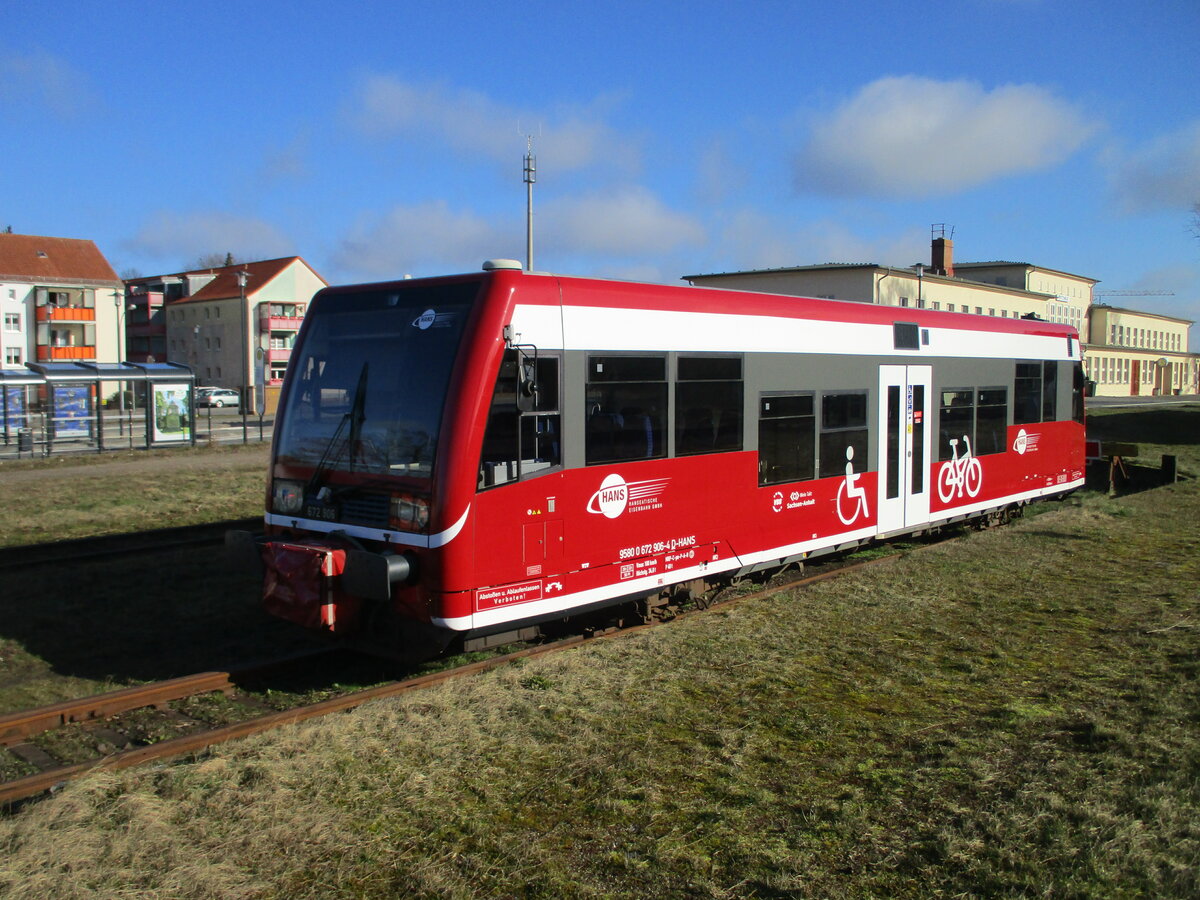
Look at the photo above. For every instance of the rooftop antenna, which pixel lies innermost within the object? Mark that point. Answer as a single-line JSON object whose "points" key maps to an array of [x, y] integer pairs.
{"points": [[530, 178]]}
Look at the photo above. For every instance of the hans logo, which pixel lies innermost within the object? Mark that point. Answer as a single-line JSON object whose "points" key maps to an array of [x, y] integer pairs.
{"points": [[617, 496], [1025, 442], [611, 499], [425, 320]]}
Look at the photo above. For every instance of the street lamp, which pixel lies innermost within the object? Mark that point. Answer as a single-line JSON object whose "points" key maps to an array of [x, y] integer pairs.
{"points": [[119, 305], [244, 346]]}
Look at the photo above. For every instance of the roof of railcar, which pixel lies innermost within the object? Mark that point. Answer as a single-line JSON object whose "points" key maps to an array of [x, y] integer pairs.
{"points": [[547, 288]]}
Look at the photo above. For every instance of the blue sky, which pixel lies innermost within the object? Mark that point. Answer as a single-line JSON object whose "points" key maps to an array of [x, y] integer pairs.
{"points": [[383, 139]]}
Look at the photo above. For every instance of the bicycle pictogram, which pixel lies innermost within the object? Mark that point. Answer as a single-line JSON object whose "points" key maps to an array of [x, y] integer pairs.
{"points": [[960, 473], [849, 491]]}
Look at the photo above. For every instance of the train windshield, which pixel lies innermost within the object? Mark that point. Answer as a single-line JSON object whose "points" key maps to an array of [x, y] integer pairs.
{"points": [[369, 380]]}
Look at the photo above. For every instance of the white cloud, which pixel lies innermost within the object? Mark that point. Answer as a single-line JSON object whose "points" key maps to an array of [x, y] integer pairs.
{"points": [[752, 240], [626, 222], [425, 239], [1161, 175], [909, 136], [47, 80], [182, 237], [470, 121]]}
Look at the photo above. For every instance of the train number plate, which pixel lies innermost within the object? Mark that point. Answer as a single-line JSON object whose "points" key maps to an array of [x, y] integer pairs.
{"points": [[323, 513]]}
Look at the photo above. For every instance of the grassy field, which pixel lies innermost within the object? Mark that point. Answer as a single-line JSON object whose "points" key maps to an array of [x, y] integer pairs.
{"points": [[80, 496], [1015, 713]]}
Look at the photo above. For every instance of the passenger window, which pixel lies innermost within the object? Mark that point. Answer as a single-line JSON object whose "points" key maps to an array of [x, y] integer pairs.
{"points": [[626, 409], [1036, 392], [1078, 388], [518, 444], [956, 420], [1049, 391], [787, 436], [708, 405], [991, 421], [978, 415], [843, 428]]}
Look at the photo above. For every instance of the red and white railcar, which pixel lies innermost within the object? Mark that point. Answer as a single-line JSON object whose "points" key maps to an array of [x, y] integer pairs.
{"points": [[465, 457]]}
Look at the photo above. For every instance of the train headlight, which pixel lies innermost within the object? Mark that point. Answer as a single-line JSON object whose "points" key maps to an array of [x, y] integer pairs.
{"points": [[409, 513], [287, 496]]}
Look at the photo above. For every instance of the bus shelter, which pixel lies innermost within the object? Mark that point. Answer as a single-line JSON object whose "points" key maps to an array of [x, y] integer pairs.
{"points": [[72, 409], [15, 388]]}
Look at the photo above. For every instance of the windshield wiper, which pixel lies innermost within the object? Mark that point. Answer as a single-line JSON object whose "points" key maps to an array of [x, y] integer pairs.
{"points": [[354, 417]]}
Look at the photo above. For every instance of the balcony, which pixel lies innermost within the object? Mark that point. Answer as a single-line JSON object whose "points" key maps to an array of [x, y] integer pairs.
{"points": [[51, 354], [279, 354], [66, 314], [280, 323]]}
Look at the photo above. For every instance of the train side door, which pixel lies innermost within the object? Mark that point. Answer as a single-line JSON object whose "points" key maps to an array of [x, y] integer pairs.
{"points": [[904, 446]]}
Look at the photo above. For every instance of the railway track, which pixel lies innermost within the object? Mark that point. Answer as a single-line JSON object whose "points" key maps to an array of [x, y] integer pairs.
{"points": [[111, 546], [100, 714]]}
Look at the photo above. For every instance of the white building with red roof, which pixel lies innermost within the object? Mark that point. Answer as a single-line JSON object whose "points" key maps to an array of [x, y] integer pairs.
{"points": [[234, 325], [60, 301]]}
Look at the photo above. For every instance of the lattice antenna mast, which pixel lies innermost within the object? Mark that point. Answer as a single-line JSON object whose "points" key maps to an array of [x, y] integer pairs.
{"points": [[530, 178]]}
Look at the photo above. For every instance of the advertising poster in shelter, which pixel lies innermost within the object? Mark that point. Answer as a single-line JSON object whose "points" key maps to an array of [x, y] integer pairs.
{"points": [[171, 417], [12, 408], [72, 411]]}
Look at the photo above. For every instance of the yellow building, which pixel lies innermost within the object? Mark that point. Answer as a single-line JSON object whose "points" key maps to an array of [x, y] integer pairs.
{"points": [[1126, 352], [1134, 353]]}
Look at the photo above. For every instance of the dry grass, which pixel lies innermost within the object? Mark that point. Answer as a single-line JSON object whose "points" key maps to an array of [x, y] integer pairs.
{"points": [[71, 497], [1009, 715], [1013, 714]]}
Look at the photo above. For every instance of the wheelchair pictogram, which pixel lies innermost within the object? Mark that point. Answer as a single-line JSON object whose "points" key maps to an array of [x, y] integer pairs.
{"points": [[851, 494], [960, 473]]}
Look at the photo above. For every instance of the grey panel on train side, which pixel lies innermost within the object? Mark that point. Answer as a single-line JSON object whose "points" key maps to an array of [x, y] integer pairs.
{"points": [[765, 373]]}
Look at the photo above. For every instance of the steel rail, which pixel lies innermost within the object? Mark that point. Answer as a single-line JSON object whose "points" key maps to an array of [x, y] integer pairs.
{"points": [[19, 726], [29, 786]]}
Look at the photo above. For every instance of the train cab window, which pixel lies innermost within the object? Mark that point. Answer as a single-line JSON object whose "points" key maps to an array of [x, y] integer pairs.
{"points": [[518, 444], [1035, 396], [843, 432], [708, 405], [626, 409], [787, 436]]}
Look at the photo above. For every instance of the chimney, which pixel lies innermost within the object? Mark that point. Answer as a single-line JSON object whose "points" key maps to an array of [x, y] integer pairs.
{"points": [[942, 257]]}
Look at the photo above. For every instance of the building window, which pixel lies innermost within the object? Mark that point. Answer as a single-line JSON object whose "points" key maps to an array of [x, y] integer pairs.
{"points": [[12, 356], [12, 321]]}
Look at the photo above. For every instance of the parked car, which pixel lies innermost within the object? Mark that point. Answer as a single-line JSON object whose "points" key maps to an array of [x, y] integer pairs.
{"points": [[214, 396]]}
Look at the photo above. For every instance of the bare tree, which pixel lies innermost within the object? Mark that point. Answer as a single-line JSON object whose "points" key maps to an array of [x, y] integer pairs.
{"points": [[216, 261]]}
